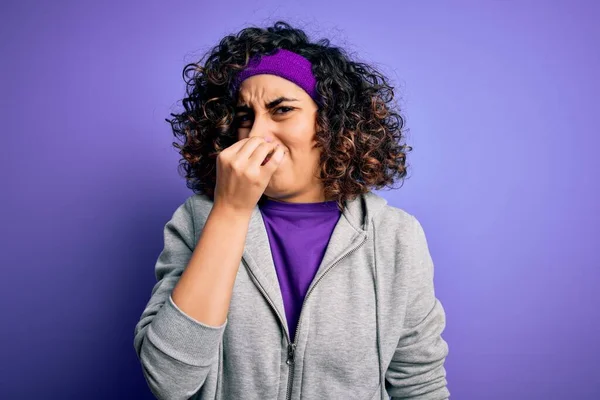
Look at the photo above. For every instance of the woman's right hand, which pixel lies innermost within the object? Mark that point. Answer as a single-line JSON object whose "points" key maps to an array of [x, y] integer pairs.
{"points": [[241, 177]]}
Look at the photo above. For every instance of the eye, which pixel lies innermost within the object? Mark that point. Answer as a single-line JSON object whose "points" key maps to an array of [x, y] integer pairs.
{"points": [[246, 117], [283, 108]]}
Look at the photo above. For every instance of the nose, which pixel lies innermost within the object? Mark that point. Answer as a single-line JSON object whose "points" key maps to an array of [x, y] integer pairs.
{"points": [[261, 129], [267, 138]]}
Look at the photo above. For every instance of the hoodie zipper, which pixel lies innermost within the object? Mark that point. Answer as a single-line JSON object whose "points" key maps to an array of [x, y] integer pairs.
{"points": [[292, 345]]}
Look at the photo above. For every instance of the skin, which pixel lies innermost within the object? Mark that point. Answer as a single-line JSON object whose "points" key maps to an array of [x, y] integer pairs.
{"points": [[291, 124]]}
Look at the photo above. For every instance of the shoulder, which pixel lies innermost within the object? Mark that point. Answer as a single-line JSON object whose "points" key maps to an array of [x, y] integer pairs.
{"points": [[189, 217], [401, 235], [200, 206], [192, 212], [396, 221]]}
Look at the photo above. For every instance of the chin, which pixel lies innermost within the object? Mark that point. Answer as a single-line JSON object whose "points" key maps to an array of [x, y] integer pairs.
{"points": [[274, 193], [278, 190]]}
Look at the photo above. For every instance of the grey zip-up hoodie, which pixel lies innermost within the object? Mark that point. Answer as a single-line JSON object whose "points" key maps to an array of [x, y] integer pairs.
{"points": [[370, 326]]}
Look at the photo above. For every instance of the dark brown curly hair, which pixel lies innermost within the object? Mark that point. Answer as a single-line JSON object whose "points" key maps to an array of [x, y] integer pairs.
{"points": [[360, 127]]}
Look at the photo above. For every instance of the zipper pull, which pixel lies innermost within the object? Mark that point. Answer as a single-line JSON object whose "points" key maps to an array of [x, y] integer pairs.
{"points": [[291, 349]]}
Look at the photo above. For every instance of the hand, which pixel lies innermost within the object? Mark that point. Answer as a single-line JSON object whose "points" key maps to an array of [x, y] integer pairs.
{"points": [[243, 174]]}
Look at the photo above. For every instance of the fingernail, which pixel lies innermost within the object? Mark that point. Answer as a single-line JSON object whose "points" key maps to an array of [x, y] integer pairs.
{"points": [[268, 139]]}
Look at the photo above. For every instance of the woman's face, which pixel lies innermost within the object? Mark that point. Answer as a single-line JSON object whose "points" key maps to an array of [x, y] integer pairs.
{"points": [[271, 106]]}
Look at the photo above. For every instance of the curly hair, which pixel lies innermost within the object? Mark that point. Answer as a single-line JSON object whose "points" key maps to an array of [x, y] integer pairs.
{"points": [[360, 129]]}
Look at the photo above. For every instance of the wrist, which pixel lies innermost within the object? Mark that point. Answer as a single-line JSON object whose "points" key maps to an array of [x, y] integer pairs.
{"points": [[230, 212]]}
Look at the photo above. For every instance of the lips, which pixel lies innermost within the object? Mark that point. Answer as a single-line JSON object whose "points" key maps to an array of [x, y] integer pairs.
{"points": [[267, 158]]}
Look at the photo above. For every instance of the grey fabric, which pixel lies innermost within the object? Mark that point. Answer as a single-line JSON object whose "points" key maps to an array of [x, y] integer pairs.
{"points": [[370, 327]]}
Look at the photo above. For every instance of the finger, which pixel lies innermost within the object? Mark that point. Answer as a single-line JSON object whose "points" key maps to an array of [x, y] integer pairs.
{"points": [[249, 146], [234, 148], [261, 153], [275, 160]]}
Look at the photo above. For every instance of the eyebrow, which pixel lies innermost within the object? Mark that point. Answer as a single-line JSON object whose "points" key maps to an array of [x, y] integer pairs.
{"points": [[268, 105]]}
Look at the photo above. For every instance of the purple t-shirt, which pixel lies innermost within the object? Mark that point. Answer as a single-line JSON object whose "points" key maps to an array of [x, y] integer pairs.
{"points": [[298, 234]]}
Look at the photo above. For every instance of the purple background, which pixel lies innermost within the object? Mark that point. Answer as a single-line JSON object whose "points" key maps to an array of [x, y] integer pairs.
{"points": [[501, 99]]}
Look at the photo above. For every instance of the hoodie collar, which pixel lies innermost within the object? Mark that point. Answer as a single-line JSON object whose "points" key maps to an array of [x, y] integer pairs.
{"points": [[362, 209], [350, 232]]}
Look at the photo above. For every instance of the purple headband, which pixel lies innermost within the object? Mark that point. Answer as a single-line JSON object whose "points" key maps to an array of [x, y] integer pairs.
{"points": [[283, 63]]}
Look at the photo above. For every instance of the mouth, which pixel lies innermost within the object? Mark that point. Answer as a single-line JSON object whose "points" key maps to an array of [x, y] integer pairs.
{"points": [[267, 158]]}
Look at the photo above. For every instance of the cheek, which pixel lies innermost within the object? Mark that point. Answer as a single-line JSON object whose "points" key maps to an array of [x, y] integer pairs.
{"points": [[301, 155], [298, 137], [301, 159]]}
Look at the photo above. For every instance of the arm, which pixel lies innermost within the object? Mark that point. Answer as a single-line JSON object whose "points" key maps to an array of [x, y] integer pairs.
{"points": [[177, 337], [416, 370]]}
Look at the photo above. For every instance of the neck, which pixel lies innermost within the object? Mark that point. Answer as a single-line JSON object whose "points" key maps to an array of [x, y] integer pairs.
{"points": [[318, 197]]}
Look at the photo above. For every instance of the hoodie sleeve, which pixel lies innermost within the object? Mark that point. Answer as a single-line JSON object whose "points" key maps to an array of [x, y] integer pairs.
{"points": [[416, 370], [176, 352]]}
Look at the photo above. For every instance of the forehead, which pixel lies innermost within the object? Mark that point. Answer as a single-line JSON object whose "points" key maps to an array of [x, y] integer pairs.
{"points": [[265, 87]]}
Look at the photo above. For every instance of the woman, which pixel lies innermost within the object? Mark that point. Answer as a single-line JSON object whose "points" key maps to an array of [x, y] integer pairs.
{"points": [[284, 276]]}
